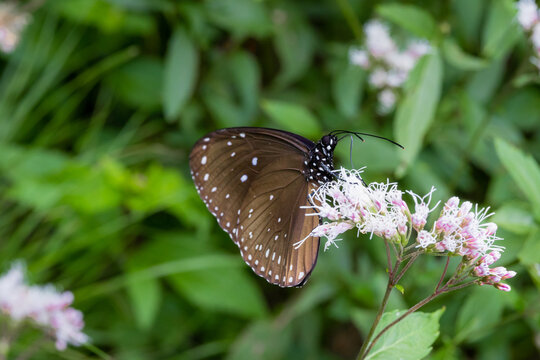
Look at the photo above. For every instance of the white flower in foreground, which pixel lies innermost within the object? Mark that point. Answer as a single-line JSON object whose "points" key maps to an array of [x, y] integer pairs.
{"points": [[527, 13], [378, 209], [42, 305], [12, 23]]}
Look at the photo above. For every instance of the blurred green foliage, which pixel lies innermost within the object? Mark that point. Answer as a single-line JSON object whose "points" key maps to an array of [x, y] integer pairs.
{"points": [[103, 99]]}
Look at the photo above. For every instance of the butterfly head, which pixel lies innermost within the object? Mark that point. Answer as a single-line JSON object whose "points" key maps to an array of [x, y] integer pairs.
{"points": [[321, 160]]}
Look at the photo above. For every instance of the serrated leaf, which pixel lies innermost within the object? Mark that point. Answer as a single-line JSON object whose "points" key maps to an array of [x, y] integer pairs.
{"points": [[180, 73], [145, 298], [455, 55], [411, 18], [417, 110], [409, 339], [347, 87], [524, 171], [292, 117]]}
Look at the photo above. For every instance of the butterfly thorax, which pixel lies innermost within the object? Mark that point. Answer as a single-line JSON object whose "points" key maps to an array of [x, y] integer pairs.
{"points": [[320, 163]]}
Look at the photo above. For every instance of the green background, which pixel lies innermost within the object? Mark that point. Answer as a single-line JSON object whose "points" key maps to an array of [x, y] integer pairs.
{"points": [[102, 101]]}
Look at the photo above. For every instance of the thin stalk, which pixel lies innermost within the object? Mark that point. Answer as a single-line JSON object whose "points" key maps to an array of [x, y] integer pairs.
{"points": [[384, 302], [443, 273], [405, 268], [388, 257]]}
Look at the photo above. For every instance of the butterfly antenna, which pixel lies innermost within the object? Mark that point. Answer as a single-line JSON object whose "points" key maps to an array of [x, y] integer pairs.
{"points": [[357, 134]]}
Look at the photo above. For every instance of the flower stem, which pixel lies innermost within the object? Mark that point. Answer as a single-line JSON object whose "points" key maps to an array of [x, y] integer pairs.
{"points": [[443, 274], [389, 287], [384, 302], [4, 348]]}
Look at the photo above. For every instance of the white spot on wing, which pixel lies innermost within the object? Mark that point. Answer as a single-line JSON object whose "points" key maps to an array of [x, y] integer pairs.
{"points": [[254, 161], [214, 189], [229, 143], [301, 275], [291, 279], [242, 135], [203, 160], [206, 176], [271, 197], [232, 154], [243, 178]]}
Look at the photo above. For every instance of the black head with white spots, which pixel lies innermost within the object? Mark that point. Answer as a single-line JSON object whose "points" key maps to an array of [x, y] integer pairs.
{"points": [[321, 160]]}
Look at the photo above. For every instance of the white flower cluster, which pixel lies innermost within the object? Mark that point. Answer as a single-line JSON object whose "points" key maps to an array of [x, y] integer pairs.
{"points": [[43, 306], [379, 209], [12, 23], [528, 17], [388, 66]]}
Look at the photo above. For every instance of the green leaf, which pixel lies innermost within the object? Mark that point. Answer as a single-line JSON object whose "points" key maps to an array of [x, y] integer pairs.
{"points": [[347, 88], [514, 217], [243, 18], [521, 108], [411, 18], [523, 169], [206, 288], [501, 31], [417, 110], [180, 73], [295, 44], [262, 340], [292, 117], [409, 339], [530, 252], [139, 83], [145, 298], [231, 89], [481, 311], [460, 59]]}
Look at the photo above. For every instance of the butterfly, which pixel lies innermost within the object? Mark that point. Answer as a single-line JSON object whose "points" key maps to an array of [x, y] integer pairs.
{"points": [[256, 182]]}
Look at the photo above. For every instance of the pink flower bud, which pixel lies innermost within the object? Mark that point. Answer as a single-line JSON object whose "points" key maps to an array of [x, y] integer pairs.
{"points": [[465, 208], [452, 203], [491, 229], [503, 287]]}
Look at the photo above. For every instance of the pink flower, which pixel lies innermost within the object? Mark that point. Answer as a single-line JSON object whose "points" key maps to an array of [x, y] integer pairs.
{"points": [[43, 305], [421, 207]]}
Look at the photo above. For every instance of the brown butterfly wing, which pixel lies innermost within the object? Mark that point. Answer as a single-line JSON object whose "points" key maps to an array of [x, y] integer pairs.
{"points": [[252, 180]]}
